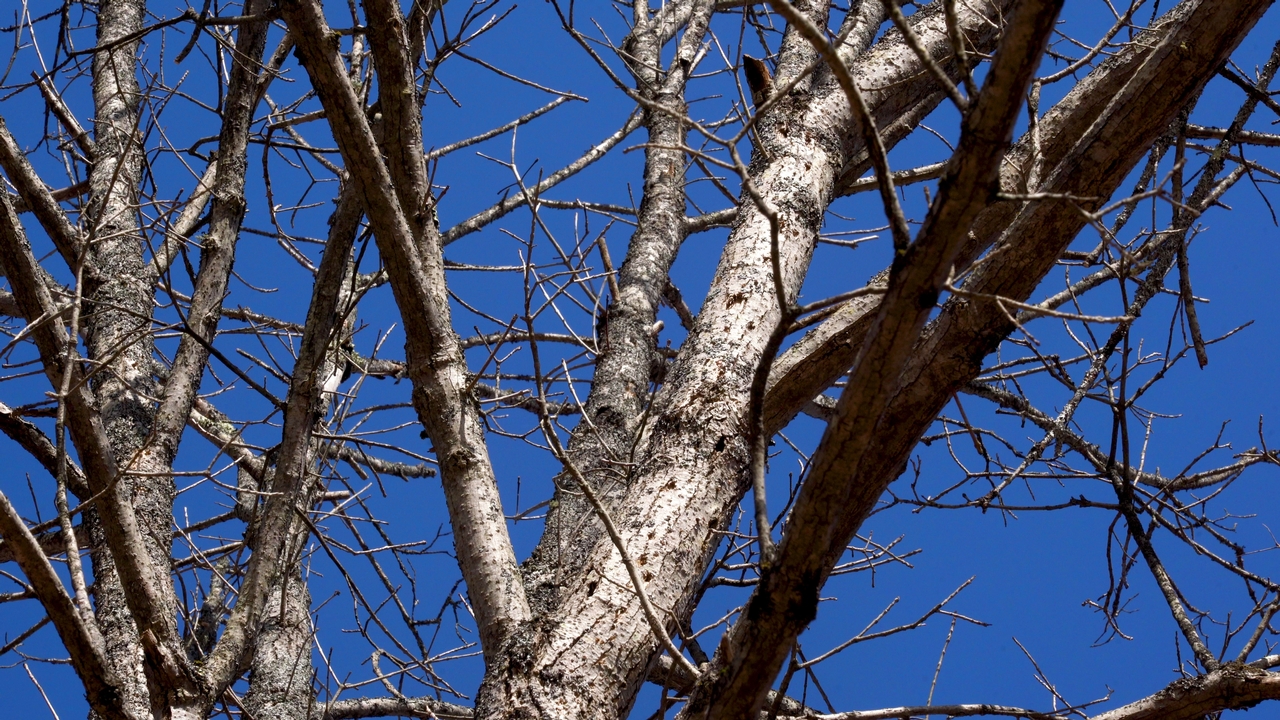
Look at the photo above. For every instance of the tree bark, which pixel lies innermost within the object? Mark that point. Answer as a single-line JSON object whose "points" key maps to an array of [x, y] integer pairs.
{"points": [[689, 477]]}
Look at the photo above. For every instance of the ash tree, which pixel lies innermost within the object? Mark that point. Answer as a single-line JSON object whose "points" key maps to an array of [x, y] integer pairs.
{"points": [[494, 446]]}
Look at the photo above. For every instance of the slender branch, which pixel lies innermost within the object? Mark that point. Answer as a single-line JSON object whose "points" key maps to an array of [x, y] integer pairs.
{"points": [[435, 361], [926, 59], [82, 640], [66, 238], [523, 119], [416, 707], [59, 107], [30, 438], [484, 217], [187, 222], [291, 484]]}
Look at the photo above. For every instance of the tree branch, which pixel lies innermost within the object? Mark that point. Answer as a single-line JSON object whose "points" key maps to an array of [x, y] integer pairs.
{"points": [[750, 654], [124, 538], [37, 197], [435, 361], [82, 640]]}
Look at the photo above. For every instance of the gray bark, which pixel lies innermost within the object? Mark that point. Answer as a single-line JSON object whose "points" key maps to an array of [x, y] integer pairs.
{"points": [[689, 476], [280, 680], [605, 443], [119, 327]]}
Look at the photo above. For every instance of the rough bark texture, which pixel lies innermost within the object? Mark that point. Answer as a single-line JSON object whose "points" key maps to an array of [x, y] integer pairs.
{"points": [[604, 446], [786, 600], [689, 477], [281, 677], [828, 351], [118, 329], [435, 362]]}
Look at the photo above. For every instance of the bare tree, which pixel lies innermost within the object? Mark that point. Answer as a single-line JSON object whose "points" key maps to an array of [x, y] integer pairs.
{"points": [[211, 472]]}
